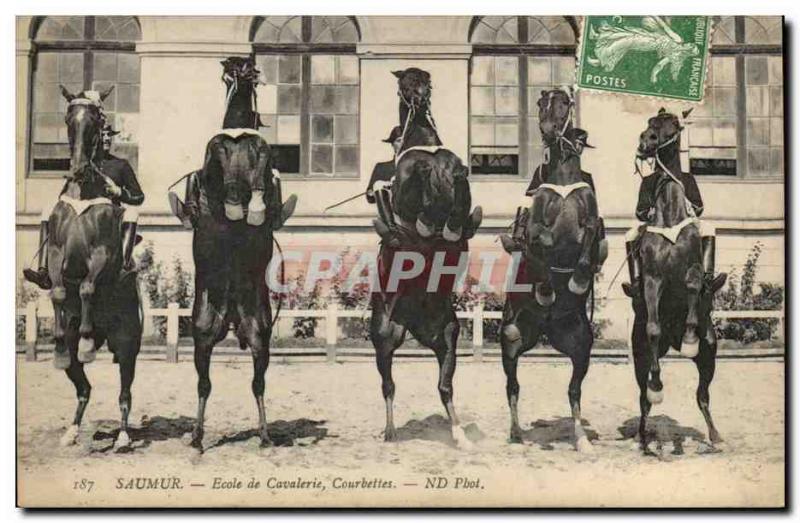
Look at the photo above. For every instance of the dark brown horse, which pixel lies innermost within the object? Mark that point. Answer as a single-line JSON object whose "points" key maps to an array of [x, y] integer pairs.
{"points": [[556, 254], [675, 310], [431, 199], [84, 252], [237, 209]]}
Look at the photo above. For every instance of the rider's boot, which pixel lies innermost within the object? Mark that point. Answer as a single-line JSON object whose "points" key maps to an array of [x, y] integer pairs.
{"points": [[41, 276], [632, 289], [710, 282], [128, 243]]}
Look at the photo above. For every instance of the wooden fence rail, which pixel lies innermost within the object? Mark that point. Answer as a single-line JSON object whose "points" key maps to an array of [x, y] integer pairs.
{"points": [[478, 315]]}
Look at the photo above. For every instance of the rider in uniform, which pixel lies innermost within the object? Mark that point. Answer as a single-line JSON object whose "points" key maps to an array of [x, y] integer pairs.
{"points": [[381, 181], [578, 140], [122, 187], [645, 212]]}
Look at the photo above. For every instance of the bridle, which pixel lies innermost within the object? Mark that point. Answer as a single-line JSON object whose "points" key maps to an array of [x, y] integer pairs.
{"points": [[93, 167], [656, 159], [561, 138], [412, 112]]}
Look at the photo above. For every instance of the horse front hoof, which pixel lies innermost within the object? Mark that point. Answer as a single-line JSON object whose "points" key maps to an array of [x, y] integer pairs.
{"points": [[583, 445], [86, 352], [578, 288], [461, 439], [655, 396], [545, 300], [423, 229], [123, 441], [390, 434], [690, 349], [451, 235], [70, 437], [61, 359]]}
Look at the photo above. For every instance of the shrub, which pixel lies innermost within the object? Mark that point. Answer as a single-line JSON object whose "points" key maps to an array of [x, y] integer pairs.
{"points": [[162, 288], [739, 294]]}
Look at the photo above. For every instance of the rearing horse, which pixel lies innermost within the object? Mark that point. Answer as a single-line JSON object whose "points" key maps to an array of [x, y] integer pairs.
{"points": [[555, 257], [675, 310], [91, 306], [232, 245], [430, 196]]}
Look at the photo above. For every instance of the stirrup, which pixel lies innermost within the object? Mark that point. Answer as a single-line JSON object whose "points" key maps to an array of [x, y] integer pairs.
{"points": [[715, 283]]}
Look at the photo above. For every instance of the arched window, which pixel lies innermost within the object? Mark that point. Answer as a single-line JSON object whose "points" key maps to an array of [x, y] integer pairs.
{"points": [[82, 53], [515, 57], [310, 102], [738, 129]]}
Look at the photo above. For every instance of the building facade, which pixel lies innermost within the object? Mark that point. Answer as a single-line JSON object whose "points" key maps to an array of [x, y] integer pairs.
{"points": [[330, 98]]}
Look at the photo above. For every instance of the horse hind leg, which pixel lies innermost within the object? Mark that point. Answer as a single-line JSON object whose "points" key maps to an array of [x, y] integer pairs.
{"points": [[706, 365], [208, 328], [652, 295], [511, 346], [445, 348], [690, 345], [256, 335], [96, 263], [386, 337], [127, 368], [83, 391]]}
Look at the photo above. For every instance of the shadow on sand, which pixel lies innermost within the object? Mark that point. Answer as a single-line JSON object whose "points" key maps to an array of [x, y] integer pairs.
{"points": [[283, 433], [661, 429], [436, 428], [546, 433]]}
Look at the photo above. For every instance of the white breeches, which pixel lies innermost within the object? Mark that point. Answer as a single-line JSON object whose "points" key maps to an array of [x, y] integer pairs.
{"points": [[706, 230]]}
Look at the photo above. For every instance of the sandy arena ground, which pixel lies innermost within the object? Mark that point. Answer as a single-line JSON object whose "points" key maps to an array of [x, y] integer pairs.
{"points": [[327, 422]]}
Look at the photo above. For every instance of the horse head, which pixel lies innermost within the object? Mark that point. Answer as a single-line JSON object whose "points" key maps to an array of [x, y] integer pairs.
{"points": [[240, 71], [556, 108], [662, 130], [85, 122]]}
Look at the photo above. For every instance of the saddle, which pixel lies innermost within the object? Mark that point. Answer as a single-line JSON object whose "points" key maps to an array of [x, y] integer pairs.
{"points": [[671, 233], [81, 206]]}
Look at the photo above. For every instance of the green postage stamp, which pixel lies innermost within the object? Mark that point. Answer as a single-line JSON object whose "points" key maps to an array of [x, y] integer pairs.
{"points": [[664, 56]]}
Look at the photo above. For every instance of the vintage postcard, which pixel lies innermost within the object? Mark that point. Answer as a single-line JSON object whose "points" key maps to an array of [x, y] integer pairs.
{"points": [[400, 261]]}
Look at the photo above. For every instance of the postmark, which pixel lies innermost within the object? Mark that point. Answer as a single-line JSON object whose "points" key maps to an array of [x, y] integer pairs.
{"points": [[662, 56]]}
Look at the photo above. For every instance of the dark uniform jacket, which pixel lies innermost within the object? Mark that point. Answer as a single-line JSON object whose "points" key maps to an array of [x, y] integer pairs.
{"points": [[540, 177], [383, 171], [647, 194], [121, 173]]}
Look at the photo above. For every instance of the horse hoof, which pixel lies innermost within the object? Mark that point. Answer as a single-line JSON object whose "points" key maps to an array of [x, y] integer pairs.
{"points": [[423, 229], [61, 360], [545, 300], [515, 436], [70, 437], [123, 441], [655, 396], [584, 446], [577, 288], [256, 218], [86, 352], [234, 211], [265, 443], [690, 350], [461, 439], [450, 235], [390, 434]]}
